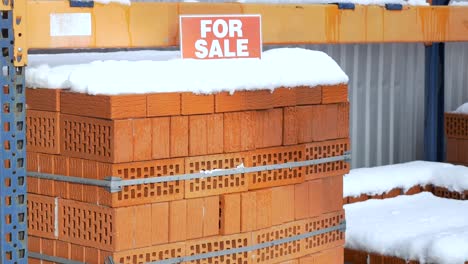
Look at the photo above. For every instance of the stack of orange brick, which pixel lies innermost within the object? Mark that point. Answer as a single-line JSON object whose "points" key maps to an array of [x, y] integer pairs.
{"points": [[156, 135], [456, 129]]}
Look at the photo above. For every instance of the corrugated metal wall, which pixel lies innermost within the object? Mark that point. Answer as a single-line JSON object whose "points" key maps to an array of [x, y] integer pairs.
{"points": [[456, 75], [387, 100]]}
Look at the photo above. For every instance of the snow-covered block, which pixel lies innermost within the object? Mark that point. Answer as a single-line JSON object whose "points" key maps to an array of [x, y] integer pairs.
{"points": [[162, 72], [420, 227], [383, 179]]}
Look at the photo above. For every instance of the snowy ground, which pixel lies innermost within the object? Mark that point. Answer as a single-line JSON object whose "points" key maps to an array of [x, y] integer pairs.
{"points": [[159, 71], [379, 180], [417, 227]]}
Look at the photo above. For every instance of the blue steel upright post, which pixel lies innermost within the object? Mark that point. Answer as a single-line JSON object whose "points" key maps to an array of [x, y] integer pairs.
{"points": [[13, 200]]}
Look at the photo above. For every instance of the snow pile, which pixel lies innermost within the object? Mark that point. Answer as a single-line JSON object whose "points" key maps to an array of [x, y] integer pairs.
{"points": [[357, 2], [463, 109], [458, 3], [418, 227], [379, 180], [162, 72], [122, 2]]}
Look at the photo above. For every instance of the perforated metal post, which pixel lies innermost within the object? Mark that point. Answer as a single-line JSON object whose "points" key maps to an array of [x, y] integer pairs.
{"points": [[13, 227]]}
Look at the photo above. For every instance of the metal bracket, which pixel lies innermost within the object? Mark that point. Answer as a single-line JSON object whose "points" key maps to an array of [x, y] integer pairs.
{"points": [[341, 227], [115, 184], [53, 259], [20, 49], [394, 6], [82, 3]]}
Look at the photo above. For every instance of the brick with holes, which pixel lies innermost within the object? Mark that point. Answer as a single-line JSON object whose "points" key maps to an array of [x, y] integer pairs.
{"points": [[326, 149], [214, 185], [328, 240], [281, 252], [41, 216], [42, 131], [272, 156], [205, 245]]}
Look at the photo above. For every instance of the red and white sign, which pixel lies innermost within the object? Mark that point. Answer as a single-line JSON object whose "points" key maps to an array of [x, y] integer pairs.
{"points": [[220, 36]]}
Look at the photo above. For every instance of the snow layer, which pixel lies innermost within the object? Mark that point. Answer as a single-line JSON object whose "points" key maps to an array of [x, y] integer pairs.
{"points": [[463, 109], [458, 3], [417, 227], [379, 180], [122, 2], [158, 72]]}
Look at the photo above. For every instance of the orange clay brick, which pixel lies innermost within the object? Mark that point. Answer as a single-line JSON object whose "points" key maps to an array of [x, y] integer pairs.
{"points": [[334, 255], [327, 117], [264, 208], [290, 126], [143, 193], [179, 136], [326, 149], [96, 139], [43, 99], [308, 95], [334, 94], [343, 120], [142, 231], [214, 185], [61, 167], [361, 198], [34, 245], [281, 252], [239, 131], [301, 201], [193, 104], [177, 221], [46, 165], [160, 220], [272, 156], [96, 224], [63, 249], [142, 139], [32, 164], [77, 252], [41, 216], [42, 131], [91, 255], [218, 243], [164, 104], [160, 137], [325, 241], [149, 254], [242, 101], [414, 190], [194, 218], [392, 193], [332, 193], [90, 171], [76, 170], [211, 216], [103, 106], [282, 201], [48, 248], [316, 201], [355, 256], [269, 128], [230, 214], [248, 211], [456, 125], [305, 123], [205, 134]]}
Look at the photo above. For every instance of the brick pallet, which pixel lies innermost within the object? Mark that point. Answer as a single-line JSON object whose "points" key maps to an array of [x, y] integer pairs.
{"points": [[456, 130], [156, 135]]}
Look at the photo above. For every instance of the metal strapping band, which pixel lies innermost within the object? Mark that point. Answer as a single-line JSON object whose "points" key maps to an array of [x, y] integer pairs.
{"points": [[115, 184], [52, 259], [340, 227]]}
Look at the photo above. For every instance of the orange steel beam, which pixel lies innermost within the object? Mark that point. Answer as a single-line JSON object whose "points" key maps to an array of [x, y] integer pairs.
{"points": [[156, 24]]}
